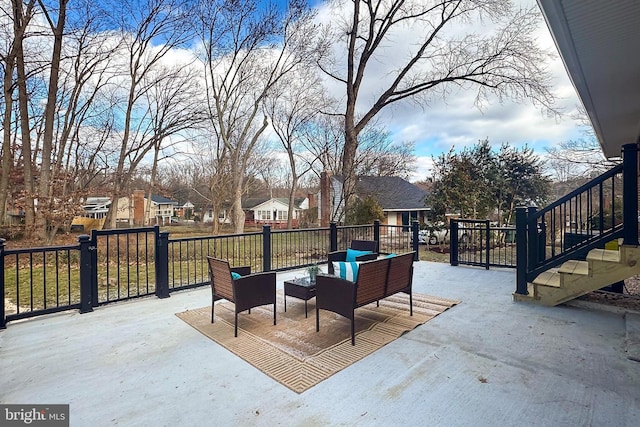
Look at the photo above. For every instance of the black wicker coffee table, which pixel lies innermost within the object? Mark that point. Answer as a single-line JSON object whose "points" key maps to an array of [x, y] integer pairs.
{"points": [[302, 288]]}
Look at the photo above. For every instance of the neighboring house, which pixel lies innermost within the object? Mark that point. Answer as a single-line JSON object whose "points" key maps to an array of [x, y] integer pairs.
{"points": [[223, 216], [401, 201], [184, 210], [94, 213], [162, 209], [273, 211], [96, 208]]}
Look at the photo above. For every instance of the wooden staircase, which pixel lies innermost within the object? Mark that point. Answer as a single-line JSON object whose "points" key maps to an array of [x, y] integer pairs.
{"points": [[573, 278]]}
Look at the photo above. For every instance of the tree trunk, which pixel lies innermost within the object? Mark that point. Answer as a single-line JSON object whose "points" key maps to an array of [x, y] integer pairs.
{"points": [[152, 180], [7, 157], [215, 213], [23, 104], [44, 190], [237, 212], [292, 194], [348, 163], [119, 184], [292, 190]]}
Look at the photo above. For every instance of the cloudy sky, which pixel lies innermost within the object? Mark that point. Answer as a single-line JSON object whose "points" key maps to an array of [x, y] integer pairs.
{"points": [[457, 122]]}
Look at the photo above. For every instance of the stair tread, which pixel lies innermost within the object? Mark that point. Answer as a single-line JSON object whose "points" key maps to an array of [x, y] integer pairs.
{"points": [[548, 278], [603, 255], [575, 267]]}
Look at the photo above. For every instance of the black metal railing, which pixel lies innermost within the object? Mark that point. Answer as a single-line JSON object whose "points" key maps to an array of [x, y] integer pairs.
{"points": [[38, 281], [187, 257], [298, 248], [602, 210], [124, 263], [121, 264], [479, 243]]}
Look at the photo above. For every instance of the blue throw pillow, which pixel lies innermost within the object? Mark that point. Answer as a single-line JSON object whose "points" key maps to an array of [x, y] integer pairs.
{"points": [[391, 255], [353, 253], [235, 275], [346, 270]]}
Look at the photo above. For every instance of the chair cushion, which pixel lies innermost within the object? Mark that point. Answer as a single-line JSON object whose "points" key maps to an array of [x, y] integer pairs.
{"points": [[235, 275], [352, 254], [346, 270]]}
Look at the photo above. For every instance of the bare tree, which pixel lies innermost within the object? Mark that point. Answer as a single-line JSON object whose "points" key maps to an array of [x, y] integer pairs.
{"points": [[150, 30], [379, 155], [324, 139], [76, 128], [444, 51], [247, 49], [57, 25], [176, 109], [580, 158], [297, 100], [19, 18]]}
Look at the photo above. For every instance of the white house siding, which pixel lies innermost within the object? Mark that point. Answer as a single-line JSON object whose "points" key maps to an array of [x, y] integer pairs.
{"points": [[207, 216], [265, 211]]}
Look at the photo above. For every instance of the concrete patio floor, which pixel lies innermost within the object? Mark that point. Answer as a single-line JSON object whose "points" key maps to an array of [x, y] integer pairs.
{"points": [[487, 361]]}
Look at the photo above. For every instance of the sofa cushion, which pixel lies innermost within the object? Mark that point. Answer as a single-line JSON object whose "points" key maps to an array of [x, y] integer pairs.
{"points": [[235, 275], [352, 254], [346, 270]]}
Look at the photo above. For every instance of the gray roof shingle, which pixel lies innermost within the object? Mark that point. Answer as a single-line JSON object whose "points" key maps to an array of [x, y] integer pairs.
{"points": [[392, 192]]}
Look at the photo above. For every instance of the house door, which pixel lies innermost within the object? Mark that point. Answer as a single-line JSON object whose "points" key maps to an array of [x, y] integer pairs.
{"points": [[405, 221]]}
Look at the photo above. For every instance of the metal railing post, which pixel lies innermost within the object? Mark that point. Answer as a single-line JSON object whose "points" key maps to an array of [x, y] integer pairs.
{"points": [[415, 227], [487, 243], [630, 194], [532, 239], [333, 237], [453, 242], [376, 233], [162, 263], [86, 270], [93, 260], [521, 251], [266, 248], [3, 319]]}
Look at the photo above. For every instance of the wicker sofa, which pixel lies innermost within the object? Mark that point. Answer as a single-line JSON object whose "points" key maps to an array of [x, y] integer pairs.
{"points": [[246, 292], [376, 280], [359, 245]]}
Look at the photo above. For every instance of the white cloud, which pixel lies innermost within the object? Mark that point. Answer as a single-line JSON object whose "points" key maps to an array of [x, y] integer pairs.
{"points": [[457, 122]]}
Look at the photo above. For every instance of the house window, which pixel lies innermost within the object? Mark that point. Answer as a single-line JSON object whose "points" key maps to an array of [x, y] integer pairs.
{"points": [[282, 215], [264, 215]]}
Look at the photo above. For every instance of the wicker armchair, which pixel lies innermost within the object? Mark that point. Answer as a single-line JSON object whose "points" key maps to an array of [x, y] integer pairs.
{"points": [[360, 245], [246, 292]]}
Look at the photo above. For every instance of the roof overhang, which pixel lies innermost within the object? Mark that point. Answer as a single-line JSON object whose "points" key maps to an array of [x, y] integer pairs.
{"points": [[423, 208], [599, 43]]}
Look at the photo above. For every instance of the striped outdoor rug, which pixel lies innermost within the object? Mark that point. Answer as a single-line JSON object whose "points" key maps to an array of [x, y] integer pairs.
{"points": [[297, 356]]}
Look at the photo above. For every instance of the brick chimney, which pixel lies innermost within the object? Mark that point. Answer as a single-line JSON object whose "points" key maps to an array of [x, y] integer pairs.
{"points": [[312, 200], [138, 208], [325, 199]]}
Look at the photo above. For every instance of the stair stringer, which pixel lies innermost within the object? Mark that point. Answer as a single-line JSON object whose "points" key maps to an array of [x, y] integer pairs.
{"points": [[601, 273]]}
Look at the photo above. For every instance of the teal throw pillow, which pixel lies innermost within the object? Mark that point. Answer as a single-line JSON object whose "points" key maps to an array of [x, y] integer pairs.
{"points": [[353, 253], [235, 275], [391, 255], [346, 270]]}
